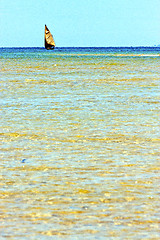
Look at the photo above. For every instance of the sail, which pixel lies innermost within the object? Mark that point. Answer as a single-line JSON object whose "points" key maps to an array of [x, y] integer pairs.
{"points": [[49, 41]]}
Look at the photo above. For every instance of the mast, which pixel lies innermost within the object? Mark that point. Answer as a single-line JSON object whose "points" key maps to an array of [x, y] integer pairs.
{"points": [[49, 41]]}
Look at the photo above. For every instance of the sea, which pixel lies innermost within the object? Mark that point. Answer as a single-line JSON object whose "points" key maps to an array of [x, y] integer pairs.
{"points": [[80, 140]]}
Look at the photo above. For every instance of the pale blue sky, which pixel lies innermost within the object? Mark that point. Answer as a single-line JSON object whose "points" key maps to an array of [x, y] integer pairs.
{"points": [[81, 23]]}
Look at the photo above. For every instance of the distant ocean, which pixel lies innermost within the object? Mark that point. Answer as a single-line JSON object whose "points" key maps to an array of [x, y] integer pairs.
{"points": [[80, 143]]}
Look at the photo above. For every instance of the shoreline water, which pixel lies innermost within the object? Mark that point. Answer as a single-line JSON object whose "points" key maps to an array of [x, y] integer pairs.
{"points": [[80, 143]]}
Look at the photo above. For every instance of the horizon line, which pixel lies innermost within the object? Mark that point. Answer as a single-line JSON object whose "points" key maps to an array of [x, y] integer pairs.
{"points": [[90, 47]]}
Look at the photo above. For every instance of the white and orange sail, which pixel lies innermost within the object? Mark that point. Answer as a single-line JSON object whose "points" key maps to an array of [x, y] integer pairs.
{"points": [[49, 41]]}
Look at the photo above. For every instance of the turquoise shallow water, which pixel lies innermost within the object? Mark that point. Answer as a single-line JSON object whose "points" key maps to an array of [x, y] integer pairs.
{"points": [[79, 143]]}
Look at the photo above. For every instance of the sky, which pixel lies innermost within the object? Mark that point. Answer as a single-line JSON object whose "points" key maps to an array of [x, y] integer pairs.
{"points": [[80, 23]]}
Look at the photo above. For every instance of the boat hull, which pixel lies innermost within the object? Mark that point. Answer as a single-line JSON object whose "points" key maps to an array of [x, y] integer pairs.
{"points": [[49, 47]]}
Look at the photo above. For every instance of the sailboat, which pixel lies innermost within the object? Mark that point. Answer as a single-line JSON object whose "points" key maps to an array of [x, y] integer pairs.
{"points": [[48, 38]]}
